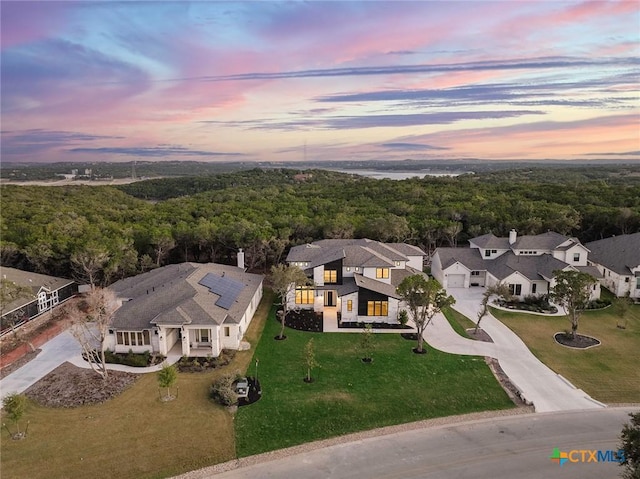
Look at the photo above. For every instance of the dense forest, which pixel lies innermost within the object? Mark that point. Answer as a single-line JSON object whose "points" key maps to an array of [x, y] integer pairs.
{"points": [[110, 232]]}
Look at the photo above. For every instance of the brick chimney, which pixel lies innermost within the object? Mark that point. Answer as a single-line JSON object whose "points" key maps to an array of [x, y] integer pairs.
{"points": [[513, 235], [241, 259]]}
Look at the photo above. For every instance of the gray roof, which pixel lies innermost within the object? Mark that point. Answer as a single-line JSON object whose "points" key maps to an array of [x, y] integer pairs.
{"points": [[592, 270], [618, 253], [34, 281], [545, 241], [172, 295], [532, 267], [377, 286], [491, 241], [354, 252]]}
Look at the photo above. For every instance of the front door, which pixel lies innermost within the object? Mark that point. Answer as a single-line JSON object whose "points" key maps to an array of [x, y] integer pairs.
{"points": [[329, 298]]}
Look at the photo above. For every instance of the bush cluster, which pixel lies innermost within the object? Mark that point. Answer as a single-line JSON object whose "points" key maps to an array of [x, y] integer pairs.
{"points": [[598, 303], [200, 364], [223, 390], [137, 360]]}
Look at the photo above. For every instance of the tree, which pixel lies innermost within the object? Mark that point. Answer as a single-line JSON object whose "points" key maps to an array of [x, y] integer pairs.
{"points": [[424, 298], [366, 343], [167, 377], [620, 308], [88, 262], [10, 292], [90, 320], [500, 290], [14, 406], [310, 359], [285, 279], [630, 447], [572, 291]]}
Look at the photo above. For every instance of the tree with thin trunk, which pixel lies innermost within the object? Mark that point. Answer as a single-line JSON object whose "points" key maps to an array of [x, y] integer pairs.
{"points": [[88, 263], [285, 279], [424, 298], [572, 291], [14, 406], [310, 359], [10, 292], [90, 320], [499, 290], [366, 343], [167, 377], [621, 307]]}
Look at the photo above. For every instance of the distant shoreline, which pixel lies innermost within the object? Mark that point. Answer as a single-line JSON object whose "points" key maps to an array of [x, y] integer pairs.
{"points": [[67, 182]]}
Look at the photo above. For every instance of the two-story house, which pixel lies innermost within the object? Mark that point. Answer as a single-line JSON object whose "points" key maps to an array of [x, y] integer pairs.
{"points": [[618, 259], [354, 279], [525, 263]]}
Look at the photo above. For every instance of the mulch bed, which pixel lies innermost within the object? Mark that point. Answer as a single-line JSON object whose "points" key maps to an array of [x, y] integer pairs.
{"points": [[198, 364], [579, 342], [512, 391], [69, 386], [304, 320], [361, 325], [255, 392], [481, 335]]}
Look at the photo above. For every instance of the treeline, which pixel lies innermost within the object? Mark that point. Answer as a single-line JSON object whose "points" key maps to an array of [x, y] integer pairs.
{"points": [[104, 233]]}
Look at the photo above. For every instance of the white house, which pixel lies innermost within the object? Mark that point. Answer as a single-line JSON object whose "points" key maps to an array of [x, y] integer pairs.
{"points": [[618, 260], [198, 308], [525, 263], [354, 279]]}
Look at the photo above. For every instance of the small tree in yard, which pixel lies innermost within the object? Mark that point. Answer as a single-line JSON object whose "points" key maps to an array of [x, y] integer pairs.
{"points": [[90, 320], [424, 298], [310, 359], [167, 377], [366, 343], [572, 291], [14, 406], [285, 280], [630, 447], [621, 309], [500, 290]]}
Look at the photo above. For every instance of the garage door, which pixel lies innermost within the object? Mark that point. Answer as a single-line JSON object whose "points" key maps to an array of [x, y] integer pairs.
{"points": [[455, 281]]}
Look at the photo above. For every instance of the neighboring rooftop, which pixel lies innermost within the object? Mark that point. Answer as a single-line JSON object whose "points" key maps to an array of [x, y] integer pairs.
{"points": [[34, 281], [617, 253]]}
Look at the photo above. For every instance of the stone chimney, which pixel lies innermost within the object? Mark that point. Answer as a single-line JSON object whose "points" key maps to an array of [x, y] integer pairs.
{"points": [[513, 235], [240, 259]]}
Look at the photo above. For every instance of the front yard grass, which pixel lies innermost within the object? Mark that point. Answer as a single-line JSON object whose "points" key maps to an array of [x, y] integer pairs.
{"points": [[458, 321], [609, 373], [348, 395], [133, 435]]}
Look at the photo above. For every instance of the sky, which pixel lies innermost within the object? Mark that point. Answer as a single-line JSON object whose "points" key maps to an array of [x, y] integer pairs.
{"points": [[244, 81]]}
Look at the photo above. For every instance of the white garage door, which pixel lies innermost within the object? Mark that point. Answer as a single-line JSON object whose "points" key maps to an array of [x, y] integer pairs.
{"points": [[455, 281]]}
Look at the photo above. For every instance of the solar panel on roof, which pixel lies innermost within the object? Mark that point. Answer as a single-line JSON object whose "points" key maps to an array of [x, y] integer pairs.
{"points": [[228, 289]]}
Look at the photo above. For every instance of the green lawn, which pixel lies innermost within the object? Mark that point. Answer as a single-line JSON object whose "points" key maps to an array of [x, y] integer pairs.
{"points": [[133, 435], [609, 372], [458, 321], [348, 395]]}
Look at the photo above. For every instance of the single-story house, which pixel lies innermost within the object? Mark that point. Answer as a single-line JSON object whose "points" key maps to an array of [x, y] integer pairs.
{"points": [[525, 263], [199, 309], [618, 260], [354, 280], [46, 293]]}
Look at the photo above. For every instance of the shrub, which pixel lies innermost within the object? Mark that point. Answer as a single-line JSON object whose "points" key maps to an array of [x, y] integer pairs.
{"points": [[137, 360], [598, 303], [223, 391]]}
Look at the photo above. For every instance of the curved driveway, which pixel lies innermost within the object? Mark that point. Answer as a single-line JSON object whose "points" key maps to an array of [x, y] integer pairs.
{"points": [[538, 384]]}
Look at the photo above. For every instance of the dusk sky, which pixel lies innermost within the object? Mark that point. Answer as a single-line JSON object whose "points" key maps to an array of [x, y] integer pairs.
{"points": [[245, 81]]}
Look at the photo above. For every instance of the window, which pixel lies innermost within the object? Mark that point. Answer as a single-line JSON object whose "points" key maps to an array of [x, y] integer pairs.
{"points": [[534, 288], [487, 252], [626, 280], [475, 273], [576, 256], [377, 308], [133, 338], [349, 305], [330, 276], [304, 296], [382, 273], [202, 335], [515, 289], [227, 331], [494, 251]]}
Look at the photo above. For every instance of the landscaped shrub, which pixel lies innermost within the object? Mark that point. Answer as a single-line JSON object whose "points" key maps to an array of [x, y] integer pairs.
{"points": [[223, 390], [136, 360], [199, 363], [598, 303]]}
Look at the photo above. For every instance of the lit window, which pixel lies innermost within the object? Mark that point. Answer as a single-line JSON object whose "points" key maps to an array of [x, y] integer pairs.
{"points": [[330, 276], [382, 273], [377, 308], [304, 296], [349, 305]]}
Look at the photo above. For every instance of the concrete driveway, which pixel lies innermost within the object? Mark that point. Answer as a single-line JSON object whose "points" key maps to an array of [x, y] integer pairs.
{"points": [[547, 390], [54, 352]]}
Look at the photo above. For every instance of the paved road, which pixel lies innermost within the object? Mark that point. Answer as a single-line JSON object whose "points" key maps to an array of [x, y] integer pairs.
{"points": [[539, 384], [508, 447]]}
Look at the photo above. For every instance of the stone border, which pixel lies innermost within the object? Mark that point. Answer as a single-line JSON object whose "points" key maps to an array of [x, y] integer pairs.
{"points": [[573, 347]]}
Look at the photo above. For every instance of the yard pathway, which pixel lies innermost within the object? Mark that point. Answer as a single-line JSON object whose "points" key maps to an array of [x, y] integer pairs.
{"points": [[538, 384]]}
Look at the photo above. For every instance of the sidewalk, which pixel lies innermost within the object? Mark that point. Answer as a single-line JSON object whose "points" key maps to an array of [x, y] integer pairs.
{"points": [[547, 390]]}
